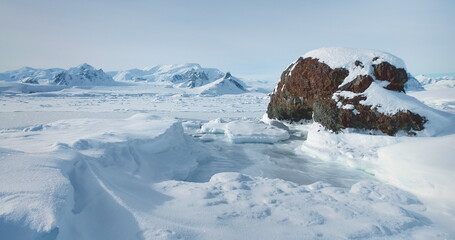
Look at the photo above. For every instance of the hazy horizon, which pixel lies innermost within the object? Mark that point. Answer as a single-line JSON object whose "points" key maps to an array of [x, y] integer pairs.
{"points": [[258, 39]]}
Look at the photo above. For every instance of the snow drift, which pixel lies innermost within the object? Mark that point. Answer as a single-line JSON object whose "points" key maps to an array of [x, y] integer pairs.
{"points": [[81, 179]]}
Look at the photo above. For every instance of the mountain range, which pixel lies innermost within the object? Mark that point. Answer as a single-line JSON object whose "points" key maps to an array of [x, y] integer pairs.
{"points": [[208, 81]]}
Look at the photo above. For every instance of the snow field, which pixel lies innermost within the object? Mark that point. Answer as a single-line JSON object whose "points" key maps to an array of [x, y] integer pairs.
{"points": [[425, 168], [421, 165], [237, 206], [117, 179], [111, 176]]}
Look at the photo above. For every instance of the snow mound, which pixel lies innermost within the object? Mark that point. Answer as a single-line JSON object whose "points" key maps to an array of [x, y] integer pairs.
{"points": [[216, 126], [245, 131], [413, 84], [424, 168], [183, 75], [87, 178], [83, 75], [225, 85], [230, 203], [339, 57]]}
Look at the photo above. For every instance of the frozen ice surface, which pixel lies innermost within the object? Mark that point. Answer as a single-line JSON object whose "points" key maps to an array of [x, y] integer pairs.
{"points": [[245, 131], [252, 132]]}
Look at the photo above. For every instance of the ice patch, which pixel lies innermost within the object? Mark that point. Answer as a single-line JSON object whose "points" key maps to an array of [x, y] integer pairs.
{"points": [[252, 132], [246, 131], [216, 126]]}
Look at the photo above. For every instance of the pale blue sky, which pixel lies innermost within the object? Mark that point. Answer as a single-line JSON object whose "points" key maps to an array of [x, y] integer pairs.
{"points": [[248, 38]]}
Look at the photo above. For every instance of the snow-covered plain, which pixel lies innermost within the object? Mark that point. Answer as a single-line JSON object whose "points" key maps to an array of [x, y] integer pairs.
{"points": [[150, 161]]}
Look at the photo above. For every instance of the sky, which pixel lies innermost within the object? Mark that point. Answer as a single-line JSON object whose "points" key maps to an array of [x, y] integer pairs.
{"points": [[253, 39]]}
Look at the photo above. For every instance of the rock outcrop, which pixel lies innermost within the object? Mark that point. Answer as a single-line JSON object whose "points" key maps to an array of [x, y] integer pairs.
{"points": [[345, 88]]}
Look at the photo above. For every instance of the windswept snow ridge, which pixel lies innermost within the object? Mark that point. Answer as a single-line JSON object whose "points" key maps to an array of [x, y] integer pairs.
{"points": [[61, 180]]}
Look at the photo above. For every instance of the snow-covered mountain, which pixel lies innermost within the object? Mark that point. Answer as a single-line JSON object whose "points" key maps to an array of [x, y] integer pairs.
{"points": [[439, 81], [30, 75], [183, 75], [228, 84], [189, 75], [83, 75]]}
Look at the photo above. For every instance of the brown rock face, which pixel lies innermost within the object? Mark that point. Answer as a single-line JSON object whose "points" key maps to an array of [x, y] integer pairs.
{"points": [[396, 76], [307, 86], [366, 117], [301, 85], [358, 85]]}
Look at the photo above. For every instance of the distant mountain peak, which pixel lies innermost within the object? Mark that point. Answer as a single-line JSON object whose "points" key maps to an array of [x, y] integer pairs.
{"points": [[188, 75], [225, 85], [83, 75], [26, 68], [227, 75], [85, 66]]}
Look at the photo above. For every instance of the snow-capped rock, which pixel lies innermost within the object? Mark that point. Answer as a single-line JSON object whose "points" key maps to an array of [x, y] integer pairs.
{"points": [[183, 75], [83, 75], [225, 85], [351, 88]]}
